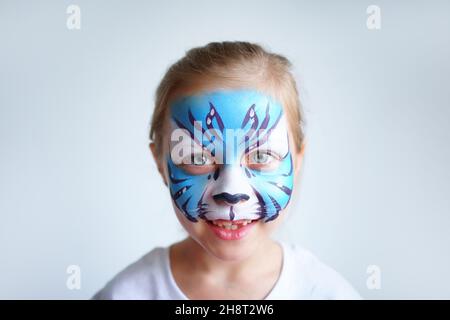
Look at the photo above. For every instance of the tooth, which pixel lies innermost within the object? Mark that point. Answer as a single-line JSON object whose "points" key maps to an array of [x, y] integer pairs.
{"points": [[244, 223], [234, 227], [227, 223]]}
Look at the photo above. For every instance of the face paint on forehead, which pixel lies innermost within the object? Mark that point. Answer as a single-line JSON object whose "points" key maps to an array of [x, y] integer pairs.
{"points": [[232, 128]]}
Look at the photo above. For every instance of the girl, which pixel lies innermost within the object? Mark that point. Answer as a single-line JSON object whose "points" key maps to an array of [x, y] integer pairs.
{"points": [[228, 142]]}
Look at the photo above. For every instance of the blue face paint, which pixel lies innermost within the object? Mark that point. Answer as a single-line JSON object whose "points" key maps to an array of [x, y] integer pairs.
{"points": [[237, 181]]}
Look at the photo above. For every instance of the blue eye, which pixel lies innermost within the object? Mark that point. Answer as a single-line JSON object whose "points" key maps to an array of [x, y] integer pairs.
{"points": [[198, 159], [260, 157]]}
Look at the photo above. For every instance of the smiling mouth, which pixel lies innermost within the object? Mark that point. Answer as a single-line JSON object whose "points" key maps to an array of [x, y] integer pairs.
{"points": [[231, 224]]}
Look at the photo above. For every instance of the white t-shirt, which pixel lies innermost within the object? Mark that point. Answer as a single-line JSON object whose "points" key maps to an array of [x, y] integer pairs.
{"points": [[303, 276]]}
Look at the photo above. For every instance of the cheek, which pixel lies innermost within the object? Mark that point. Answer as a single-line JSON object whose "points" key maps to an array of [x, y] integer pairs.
{"points": [[275, 188], [198, 231], [273, 225], [187, 190]]}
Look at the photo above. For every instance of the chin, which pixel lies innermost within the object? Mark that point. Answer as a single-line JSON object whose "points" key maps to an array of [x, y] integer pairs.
{"points": [[231, 250], [226, 250]]}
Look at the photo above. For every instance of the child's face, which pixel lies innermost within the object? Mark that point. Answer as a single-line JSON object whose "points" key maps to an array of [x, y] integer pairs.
{"points": [[230, 167]]}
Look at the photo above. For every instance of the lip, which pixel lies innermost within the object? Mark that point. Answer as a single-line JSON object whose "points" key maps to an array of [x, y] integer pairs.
{"points": [[226, 234]]}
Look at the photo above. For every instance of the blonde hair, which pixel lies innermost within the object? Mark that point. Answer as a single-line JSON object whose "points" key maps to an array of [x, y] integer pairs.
{"points": [[234, 63]]}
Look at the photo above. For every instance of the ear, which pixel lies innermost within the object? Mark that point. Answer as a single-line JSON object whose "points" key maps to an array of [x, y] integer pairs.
{"points": [[299, 158], [158, 161]]}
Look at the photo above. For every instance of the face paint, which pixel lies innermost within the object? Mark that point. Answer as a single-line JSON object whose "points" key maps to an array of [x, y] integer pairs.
{"points": [[230, 156]]}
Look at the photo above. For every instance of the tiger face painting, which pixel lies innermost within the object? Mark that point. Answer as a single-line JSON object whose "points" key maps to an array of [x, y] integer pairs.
{"points": [[229, 156]]}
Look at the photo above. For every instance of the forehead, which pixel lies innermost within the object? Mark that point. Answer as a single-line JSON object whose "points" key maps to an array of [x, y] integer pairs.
{"points": [[229, 106], [240, 120]]}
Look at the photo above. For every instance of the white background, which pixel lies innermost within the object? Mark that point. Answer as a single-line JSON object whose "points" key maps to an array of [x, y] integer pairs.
{"points": [[78, 185]]}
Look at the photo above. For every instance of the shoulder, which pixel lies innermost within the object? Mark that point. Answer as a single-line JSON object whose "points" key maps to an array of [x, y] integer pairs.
{"points": [[138, 280], [315, 279]]}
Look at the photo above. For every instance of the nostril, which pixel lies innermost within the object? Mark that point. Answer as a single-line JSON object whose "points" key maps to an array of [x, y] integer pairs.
{"points": [[231, 198]]}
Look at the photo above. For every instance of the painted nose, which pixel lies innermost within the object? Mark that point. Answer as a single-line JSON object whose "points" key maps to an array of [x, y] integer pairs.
{"points": [[230, 198]]}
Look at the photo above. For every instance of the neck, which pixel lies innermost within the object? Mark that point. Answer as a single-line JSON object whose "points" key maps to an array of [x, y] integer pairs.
{"points": [[255, 264]]}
